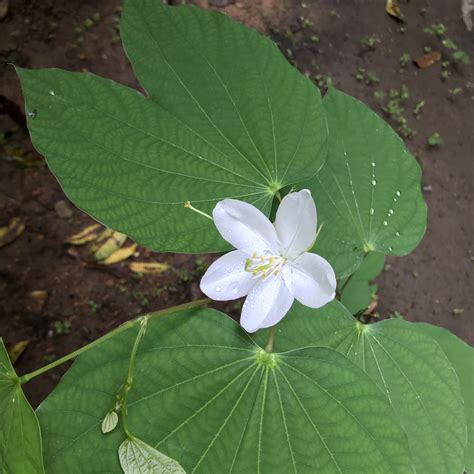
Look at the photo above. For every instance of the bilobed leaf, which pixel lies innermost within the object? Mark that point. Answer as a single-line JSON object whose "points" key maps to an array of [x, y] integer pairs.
{"points": [[137, 457], [207, 396], [225, 116], [20, 436], [368, 194], [409, 367], [462, 357]]}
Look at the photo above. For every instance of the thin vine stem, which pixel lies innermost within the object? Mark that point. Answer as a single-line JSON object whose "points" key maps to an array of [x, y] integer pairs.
{"points": [[129, 381], [341, 289], [349, 278], [123, 327]]}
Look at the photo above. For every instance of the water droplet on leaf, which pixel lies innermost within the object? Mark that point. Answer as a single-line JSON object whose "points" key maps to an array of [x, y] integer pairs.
{"points": [[385, 223]]}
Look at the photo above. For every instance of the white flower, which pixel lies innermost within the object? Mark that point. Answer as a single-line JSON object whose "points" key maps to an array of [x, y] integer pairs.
{"points": [[271, 264]]}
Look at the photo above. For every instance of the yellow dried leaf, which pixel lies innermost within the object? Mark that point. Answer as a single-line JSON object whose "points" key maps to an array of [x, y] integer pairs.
{"points": [[85, 235], [12, 231], [22, 156], [149, 267], [393, 9], [104, 234], [16, 351], [110, 245], [120, 255], [36, 300]]}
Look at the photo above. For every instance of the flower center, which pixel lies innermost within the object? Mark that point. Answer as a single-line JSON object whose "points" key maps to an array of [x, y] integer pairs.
{"points": [[265, 265]]}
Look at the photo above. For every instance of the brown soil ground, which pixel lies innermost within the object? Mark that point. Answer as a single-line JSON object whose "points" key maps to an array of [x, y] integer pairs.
{"points": [[322, 38]]}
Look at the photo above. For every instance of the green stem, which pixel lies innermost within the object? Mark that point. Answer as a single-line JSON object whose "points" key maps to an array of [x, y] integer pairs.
{"points": [[127, 325], [341, 289], [271, 338], [349, 278], [129, 381]]}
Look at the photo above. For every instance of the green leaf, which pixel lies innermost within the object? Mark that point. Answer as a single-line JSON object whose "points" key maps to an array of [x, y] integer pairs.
{"points": [[20, 436], [368, 194], [225, 117], [409, 367], [206, 395], [357, 293], [137, 457], [461, 357], [109, 422]]}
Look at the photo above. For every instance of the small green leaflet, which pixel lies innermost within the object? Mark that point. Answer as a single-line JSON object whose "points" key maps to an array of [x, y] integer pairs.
{"points": [[462, 357], [20, 436], [226, 116], [207, 396], [357, 294], [137, 457], [409, 367], [368, 194], [109, 422]]}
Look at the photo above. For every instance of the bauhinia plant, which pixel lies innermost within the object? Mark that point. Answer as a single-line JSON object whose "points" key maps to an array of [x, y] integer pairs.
{"points": [[229, 129]]}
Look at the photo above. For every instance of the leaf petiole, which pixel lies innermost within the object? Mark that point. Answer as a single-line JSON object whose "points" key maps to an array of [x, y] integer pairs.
{"points": [[127, 325], [129, 381]]}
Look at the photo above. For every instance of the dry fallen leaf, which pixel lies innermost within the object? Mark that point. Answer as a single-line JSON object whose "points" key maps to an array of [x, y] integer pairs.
{"points": [[110, 245], [12, 231], [372, 306], [104, 234], [149, 267], [36, 300], [467, 9], [427, 60], [393, 9], [20, 155], [85, 235], [18, 349], [120, 255]]}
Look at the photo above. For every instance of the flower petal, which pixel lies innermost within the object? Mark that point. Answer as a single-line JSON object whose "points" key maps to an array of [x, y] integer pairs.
{"points": [[268, 301], [226, 279], [296, 223], [244, 226], [311, 280]]}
